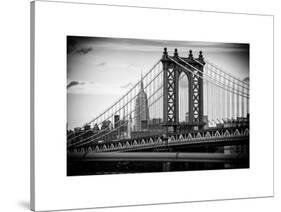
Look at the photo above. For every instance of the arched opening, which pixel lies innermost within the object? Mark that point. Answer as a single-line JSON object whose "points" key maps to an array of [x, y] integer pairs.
{"points": [[183, 98]]}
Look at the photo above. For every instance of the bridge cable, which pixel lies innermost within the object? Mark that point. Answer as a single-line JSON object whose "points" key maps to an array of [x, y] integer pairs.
{"points": [[118, 101], [120, 108], [90, 141], [233, 79], [78, 142], [211, 80], [224, 72]]}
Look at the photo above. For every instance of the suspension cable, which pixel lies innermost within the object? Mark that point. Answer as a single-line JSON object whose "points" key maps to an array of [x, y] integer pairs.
{"points": [[226, 73], [112, 114], [120, 120], [116, 102], [87, 142], [218, 73], [211, 80]]}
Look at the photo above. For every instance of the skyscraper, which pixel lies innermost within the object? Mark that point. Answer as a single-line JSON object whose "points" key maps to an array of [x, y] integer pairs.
{"points": [[141, 107]]}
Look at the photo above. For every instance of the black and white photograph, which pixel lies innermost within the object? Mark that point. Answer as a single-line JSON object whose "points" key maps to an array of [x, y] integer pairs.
{"points": [[146, 105], [140, 106]]}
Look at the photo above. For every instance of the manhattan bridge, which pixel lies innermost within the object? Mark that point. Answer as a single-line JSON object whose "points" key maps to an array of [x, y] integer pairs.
{"points": [[184, 109]]}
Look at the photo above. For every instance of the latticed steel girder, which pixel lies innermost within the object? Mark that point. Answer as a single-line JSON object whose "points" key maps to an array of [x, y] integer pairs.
{"points": [[170, 94], [171, 75]]}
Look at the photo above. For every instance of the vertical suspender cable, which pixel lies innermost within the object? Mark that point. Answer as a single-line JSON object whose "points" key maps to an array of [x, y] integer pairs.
{"points": [[220, 101], [228, 103], [209, 101], [246, 103], [243, 104], [233, 102], [213, 102], [238, 101], [218, 107], [223, 100], [206, 98]]}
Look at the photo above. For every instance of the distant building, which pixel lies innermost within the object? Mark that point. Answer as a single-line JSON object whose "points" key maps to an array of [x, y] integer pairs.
{"points": [[77, 129], [96, 128], [155, 124], [187, 117], [116, 121], [144, 124], [87, 127], [106, 125], [123, 125], [141, 108], [156, 121]]}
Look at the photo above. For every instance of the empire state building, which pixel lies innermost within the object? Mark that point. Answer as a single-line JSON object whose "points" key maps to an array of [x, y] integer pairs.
{"points": [[141, 108]]}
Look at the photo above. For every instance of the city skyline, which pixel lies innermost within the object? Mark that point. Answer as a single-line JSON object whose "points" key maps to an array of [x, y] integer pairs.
{"points": [[96, 66]]}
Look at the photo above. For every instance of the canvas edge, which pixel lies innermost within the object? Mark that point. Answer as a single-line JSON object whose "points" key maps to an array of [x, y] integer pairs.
{"points": [[32, 124]]}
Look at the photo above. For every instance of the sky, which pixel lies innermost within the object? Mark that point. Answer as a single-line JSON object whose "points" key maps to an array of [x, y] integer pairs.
{"points": [[100, 70]]}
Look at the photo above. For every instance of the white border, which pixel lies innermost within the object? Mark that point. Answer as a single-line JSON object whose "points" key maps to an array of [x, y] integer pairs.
{"points": [[55, 191]]}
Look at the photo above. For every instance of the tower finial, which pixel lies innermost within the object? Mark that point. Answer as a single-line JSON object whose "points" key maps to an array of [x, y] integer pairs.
{"points": [[190, 54], [165, 51], [165, 54], [201, 55], [176, 53]]}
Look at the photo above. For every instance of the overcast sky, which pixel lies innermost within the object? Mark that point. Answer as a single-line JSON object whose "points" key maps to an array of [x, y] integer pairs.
{"points": [[99, 70]]}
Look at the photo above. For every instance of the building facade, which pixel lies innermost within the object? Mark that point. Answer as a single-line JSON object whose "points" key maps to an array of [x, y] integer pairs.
{"points": [[141, 108]]}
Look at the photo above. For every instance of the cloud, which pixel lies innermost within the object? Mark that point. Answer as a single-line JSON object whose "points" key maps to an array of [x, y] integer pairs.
{"points": [[157, 45], [74, 83], [246, 79], [126, 85], [102, 64], [86, 87], [78, 45], [84, 50]]}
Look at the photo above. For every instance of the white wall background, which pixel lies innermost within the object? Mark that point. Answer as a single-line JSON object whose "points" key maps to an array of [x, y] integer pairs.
{"points": [[14, 107]]}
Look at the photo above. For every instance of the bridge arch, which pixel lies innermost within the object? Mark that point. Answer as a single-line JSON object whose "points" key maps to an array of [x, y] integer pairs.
{"points": [[173, 66]]}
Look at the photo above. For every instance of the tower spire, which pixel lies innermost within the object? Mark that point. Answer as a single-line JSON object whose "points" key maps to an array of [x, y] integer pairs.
{"points": [[141, 81]]}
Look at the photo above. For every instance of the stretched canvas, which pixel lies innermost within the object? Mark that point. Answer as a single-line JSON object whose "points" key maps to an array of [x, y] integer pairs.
{"points": [[162, 98]]}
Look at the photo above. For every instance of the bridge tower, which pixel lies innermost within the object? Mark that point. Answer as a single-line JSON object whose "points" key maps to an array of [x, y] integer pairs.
{"points": [[173, 66]]}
